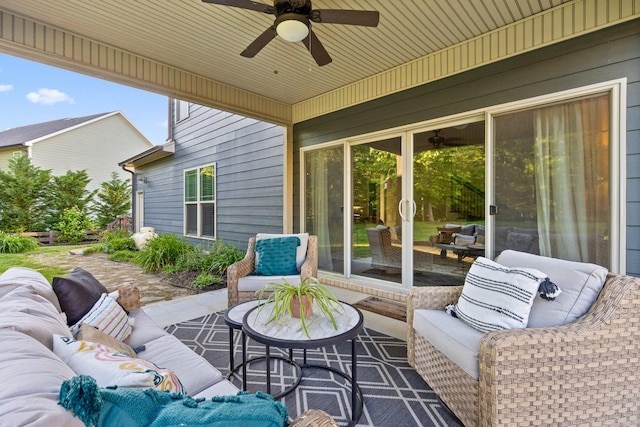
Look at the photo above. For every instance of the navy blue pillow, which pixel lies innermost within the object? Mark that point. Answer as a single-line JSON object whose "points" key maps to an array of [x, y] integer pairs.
{"points": [[276, 256]]}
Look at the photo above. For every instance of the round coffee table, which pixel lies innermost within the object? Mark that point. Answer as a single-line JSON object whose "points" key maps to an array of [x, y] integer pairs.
{"points": [[233, 317], [287, 333]]}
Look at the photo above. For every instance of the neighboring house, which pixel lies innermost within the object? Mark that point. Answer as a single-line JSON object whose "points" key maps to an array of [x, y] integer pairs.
{"points": [[219, 177], [94, 143]]}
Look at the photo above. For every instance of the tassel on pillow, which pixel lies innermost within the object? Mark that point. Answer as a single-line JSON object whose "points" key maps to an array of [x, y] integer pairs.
{"points": [[451, 310], [548, 290]]}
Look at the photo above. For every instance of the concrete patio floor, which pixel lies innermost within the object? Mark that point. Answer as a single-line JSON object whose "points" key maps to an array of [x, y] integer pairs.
{"points": [[183, 308]]}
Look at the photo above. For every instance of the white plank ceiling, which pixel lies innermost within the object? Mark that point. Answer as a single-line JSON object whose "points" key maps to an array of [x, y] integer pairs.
{"points": [[207, 39]]}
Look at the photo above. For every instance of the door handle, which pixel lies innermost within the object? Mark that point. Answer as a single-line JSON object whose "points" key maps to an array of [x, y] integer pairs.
{"points": [[401, 210]]}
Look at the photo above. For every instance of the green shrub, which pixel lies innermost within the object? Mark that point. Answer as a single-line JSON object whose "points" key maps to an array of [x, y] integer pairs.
{"points": [[124, 256], [117, 241], [204, 280], [15, 244], [162, 251], [214, 261], [221, 256], [73, 225], [194, 259]]}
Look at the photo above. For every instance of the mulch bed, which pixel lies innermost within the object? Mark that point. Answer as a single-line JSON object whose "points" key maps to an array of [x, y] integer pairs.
{"points": [[184, 279]]}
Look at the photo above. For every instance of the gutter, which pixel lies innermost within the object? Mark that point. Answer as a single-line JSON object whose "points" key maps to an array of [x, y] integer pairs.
{"points": [[133, 196]]}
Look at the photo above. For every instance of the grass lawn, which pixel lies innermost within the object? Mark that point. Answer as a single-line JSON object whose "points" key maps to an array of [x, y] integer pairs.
{"points": [[26, 260]]}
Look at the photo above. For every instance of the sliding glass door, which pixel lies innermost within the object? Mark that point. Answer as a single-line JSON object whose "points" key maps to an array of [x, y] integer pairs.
{"points": [[449, 199], [376, 182], [551, 172], [415, 207]]}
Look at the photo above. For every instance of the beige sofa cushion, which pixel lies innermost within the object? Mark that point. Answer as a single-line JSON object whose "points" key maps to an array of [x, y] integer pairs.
{"points": [[32, 376], [454, 338], [194, 372], [33, 315], [26, 278], [580, 283]]}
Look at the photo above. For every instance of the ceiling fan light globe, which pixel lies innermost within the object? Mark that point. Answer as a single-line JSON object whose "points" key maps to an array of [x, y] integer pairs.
{"points": [[292, 30]]}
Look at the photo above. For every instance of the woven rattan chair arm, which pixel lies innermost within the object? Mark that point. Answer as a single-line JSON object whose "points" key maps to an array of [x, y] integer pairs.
{"points": [[595, 356], [239, 269], [310, 266], [314, 418], [129, 297], [432, 297]]}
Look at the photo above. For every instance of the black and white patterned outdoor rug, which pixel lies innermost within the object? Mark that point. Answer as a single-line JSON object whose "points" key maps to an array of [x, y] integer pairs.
{"points": [[394, 394]]}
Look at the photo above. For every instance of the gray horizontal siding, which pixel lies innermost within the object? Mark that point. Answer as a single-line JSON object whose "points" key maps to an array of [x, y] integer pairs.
{"points": [[249, 185], [608, 54]]}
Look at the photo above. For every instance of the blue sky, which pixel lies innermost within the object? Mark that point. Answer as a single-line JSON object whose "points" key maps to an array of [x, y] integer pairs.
{"points": [[31, 92]]}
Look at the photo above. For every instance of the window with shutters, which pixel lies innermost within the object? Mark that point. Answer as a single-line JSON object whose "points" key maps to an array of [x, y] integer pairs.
{"points": [[200, 202]]}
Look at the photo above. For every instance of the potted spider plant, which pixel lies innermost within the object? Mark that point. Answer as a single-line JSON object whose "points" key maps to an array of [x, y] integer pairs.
{"points": [[298, 300]]}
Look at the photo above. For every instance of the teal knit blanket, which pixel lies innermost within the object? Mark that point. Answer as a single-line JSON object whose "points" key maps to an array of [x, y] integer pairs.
{"points": [[130, 407]]}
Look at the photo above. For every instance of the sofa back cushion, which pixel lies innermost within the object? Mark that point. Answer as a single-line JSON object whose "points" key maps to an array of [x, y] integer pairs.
{"points": [[33, 315], [31, 280], [579, 282]]}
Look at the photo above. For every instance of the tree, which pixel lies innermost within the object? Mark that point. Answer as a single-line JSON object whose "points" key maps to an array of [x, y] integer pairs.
{"points": [[113, 199], [73, 225], [69, 191], [24, 192]]}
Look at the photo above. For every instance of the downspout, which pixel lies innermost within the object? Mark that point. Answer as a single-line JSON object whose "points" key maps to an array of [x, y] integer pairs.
{"points": [[133, 196]]}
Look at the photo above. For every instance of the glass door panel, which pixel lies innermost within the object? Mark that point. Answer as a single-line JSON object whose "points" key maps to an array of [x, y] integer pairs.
{"points": [[324, 195], [376, 193], [448, 189], [551, 178]]}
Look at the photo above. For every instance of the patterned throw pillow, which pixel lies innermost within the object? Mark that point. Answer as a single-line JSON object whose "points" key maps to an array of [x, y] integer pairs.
{"points": [[108, 316], [113, 369], [276, 256], [496, 297]]}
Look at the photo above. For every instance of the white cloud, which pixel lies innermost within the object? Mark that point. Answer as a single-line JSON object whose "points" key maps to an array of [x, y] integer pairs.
{"points": [[49, 97], [164, 124], [5, 88]]}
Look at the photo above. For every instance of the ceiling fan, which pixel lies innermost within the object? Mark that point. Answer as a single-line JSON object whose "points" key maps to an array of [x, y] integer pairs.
{"points": [[293, 23], [436, 140]]}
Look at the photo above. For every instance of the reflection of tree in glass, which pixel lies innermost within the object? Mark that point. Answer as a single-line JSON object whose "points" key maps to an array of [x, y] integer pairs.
{"points": [[433, 171]]}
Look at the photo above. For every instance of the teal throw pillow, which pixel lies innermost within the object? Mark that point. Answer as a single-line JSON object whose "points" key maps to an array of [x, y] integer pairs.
{"points": [[276, 256], [134, 407]]}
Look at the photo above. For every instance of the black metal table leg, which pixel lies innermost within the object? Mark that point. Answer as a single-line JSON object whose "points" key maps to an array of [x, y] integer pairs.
{"points": [[244, 361], [268, 359]]}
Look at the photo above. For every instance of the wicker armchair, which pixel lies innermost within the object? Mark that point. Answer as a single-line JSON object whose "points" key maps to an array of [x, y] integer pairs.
{"points": [[388, 257], [582, 373], [245, 266]]}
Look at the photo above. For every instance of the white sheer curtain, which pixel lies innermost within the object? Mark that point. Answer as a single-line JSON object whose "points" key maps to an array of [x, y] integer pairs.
{"points": [[318, 176], [569, 139]]}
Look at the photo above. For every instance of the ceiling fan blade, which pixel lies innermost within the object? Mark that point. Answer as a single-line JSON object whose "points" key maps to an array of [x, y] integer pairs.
{"points": [[365, 18], [245, 4], [257, 45], [316, 49]]}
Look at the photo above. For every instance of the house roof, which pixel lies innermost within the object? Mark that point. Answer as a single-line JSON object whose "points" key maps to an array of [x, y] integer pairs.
{"points": [[191, 49], [31, 133], [154, 153]]}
